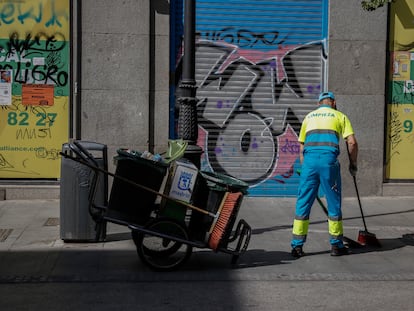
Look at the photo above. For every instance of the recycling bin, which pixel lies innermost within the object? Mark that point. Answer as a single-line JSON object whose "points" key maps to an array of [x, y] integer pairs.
{"points": [[180, 186]]}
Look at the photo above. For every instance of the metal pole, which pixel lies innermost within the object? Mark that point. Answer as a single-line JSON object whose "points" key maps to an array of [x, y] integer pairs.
{"points": [[187, 101], [151, 78], [75, 130]]}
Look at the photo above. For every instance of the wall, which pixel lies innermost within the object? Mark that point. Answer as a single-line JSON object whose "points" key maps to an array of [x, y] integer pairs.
{"points": [[117, 88], [357, 67], [115, 85]]}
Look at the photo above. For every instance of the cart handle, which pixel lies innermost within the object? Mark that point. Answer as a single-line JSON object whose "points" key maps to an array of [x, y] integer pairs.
{"points": [[85, 152], [81, 152], [96, 168]]}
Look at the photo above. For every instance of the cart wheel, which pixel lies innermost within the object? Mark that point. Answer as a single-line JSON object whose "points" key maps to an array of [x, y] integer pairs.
{"points": [[163, 253], [168, 248]]}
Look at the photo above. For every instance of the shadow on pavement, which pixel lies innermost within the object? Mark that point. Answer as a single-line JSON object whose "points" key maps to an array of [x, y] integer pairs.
{"points": [[283, 227], [261, 258], [386, 245], [122, 236]]}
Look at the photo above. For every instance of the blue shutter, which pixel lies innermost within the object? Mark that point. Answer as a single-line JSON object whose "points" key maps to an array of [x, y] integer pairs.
{"points": [[259, 68]]}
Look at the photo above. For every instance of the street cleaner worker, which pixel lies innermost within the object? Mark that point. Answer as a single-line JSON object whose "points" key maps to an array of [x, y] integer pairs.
{"points": [[319, 149]]}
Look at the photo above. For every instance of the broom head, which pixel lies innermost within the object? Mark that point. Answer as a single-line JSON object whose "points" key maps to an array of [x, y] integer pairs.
{"points": [[220, 227], [368, 238]]}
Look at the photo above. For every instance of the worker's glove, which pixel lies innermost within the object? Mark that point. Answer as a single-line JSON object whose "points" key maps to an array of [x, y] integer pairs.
{"points": [[353, 169]]}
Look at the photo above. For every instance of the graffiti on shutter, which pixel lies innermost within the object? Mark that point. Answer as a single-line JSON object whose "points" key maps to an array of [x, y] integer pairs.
{"points": [[259, 69]]}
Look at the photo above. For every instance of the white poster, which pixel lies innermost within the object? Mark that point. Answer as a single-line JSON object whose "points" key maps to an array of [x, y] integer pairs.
{"points": [[5, 87]]}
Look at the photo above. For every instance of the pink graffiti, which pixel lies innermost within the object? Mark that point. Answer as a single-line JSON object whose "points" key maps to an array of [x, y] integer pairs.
{"points": [[288, 151], [202, 142], [255, 57]]}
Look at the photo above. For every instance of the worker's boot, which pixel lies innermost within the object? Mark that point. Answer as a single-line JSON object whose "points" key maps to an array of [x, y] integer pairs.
{"points": [[297, 252], [339, 251]]}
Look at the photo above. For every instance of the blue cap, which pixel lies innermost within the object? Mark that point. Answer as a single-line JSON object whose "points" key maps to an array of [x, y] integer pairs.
{"points": [[324, 95]]}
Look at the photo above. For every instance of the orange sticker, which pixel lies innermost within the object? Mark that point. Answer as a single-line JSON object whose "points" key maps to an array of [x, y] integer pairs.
{"points": [[37, 94]]}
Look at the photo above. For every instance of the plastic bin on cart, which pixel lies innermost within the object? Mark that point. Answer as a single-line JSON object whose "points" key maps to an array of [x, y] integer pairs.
{"points": [[180, 185], [127, 200], [76, 221], [209, 194]]}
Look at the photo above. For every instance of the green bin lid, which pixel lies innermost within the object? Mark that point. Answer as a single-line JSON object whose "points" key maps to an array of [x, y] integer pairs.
{"points": [[136, 156], [225, 181]]}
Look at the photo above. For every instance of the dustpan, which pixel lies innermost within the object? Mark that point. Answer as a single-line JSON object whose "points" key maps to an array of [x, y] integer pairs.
{"points": [[176, 149]]}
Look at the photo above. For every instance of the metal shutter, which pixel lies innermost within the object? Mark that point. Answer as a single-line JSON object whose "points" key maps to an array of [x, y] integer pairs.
{"points": [[259, 68]]}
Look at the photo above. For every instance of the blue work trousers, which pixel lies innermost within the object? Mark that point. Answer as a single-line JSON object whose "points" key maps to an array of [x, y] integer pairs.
{"points": [[319, 169]]}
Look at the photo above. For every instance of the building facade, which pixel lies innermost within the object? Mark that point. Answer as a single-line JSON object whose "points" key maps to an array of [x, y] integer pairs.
{"points": [[259, 67]]}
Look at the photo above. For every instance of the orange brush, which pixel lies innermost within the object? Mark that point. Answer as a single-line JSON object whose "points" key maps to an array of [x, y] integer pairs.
{"points": [[225, 212]]}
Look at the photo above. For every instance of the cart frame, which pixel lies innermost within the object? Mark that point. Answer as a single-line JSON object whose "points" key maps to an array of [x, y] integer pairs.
{"points": [[172, 234]]}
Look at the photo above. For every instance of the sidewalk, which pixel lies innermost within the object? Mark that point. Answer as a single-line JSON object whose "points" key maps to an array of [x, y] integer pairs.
{"points": [[40, 272], [31, 249]]}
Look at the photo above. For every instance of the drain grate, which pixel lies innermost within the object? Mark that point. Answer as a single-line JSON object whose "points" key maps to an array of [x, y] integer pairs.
{"points": [[52, 221], [4, 234]]}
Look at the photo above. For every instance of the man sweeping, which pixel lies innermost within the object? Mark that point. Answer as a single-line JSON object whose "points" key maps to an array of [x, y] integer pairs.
{"points": [[319, 149]]}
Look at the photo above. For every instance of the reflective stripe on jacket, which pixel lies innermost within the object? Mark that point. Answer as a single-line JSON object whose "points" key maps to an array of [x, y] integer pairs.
{"points": [[322, 128]]}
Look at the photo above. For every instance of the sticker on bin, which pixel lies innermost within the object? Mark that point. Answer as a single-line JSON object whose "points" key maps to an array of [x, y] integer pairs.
{"points": [[183, 181]]}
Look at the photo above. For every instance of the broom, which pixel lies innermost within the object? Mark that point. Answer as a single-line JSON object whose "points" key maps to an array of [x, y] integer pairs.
{"points": [[364, 236], [226, 210]]}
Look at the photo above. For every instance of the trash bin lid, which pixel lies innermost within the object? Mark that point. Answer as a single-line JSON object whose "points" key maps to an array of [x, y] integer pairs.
{"points": [[225, 181], [136, 156]]}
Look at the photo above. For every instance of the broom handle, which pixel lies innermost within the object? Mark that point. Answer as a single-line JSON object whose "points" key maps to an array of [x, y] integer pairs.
{"points": [[356, 189], [359, 203], [322, 205]]}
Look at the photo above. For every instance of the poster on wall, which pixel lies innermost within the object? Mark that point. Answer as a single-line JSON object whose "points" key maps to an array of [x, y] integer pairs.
{"points": [[400, 110], [34, 87], [400, 66], [5, 87]]}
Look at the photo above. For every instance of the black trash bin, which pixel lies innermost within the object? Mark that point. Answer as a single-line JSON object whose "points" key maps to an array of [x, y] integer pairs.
{"points": [[76, 221], [128, 201]]}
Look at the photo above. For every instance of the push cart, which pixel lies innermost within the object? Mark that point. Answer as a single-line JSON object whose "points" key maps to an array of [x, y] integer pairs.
{"points": [[170, 206]]}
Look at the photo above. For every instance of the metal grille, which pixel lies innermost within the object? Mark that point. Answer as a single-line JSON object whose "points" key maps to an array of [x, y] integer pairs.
{"points": [[259, 68]]}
